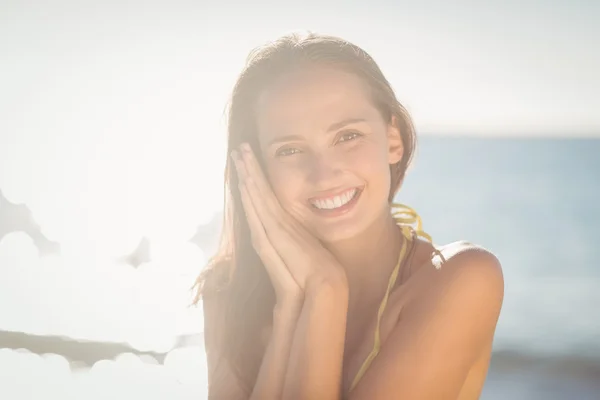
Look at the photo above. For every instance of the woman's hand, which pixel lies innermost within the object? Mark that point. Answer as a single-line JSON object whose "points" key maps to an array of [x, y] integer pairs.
{"points": [[295, 260]]}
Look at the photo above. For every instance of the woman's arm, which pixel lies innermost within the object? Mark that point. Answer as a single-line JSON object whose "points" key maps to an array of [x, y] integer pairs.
{"points": [[223, 383], [305, 351], [316, 359], [271, 376], [299, 266]]}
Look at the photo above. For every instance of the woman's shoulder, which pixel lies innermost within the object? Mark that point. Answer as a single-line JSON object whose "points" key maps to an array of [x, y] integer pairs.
{"points": [[458, 266], [450, 306], [458, 254], [463, 254]]}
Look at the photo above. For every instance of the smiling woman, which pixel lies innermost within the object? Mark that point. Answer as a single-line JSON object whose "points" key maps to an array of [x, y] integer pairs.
{"points": [[322, 287]]}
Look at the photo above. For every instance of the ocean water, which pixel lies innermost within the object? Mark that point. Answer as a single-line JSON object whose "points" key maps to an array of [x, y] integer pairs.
{"points": [[535, 203]]}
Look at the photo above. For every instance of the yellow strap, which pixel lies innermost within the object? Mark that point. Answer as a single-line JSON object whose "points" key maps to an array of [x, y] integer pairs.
{"points": [[377, 344], [405, 217]]}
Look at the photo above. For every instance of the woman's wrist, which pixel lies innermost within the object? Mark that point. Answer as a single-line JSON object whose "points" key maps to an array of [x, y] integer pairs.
{"points": [[331, 282], [289, 306], [330, 275]]}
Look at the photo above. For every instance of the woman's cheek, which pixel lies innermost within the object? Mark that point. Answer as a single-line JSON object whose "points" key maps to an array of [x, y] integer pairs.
{"points": [[285, 183], [365, 159]]}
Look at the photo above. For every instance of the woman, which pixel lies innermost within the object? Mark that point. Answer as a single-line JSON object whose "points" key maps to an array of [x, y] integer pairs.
{"points": [[323, 288]]}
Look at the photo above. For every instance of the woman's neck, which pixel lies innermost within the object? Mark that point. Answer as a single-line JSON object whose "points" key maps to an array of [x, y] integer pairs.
{"points": [[369, 258]]}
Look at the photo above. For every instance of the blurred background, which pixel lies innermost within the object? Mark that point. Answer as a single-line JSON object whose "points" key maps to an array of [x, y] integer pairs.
{"points": [[112, 145]]}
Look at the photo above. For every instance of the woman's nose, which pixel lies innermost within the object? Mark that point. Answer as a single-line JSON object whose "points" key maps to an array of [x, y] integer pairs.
{"points": [[323, 171]]}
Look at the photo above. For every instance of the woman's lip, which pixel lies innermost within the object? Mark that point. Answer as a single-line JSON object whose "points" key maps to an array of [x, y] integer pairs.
{"points": [[340, 210]]}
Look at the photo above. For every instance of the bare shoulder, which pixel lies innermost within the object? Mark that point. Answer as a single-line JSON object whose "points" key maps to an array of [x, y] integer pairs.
{"points": [[448, 309], [465, 275], [468, 259]]}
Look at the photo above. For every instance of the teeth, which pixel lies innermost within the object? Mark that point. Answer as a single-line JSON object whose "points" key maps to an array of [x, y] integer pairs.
{"points": [[334, 202], [338, 201], [345, 198]]}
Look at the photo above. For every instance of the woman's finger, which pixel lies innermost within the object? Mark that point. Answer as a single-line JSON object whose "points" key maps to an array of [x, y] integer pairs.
{"points": [[265, 202], [263, 189], [257, 229], [267, 207], [281, 278], [278, 272], [282, 237]]}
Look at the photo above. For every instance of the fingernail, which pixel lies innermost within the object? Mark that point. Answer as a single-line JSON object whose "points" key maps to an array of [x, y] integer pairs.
{"points": [[246, 147]]}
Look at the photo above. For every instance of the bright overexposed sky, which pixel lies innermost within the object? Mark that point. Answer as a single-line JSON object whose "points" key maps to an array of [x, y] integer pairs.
{"points": [[504, 67], [111, 112]]}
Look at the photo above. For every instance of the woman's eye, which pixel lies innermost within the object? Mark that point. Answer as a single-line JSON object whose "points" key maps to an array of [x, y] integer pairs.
{"points": [[349, 136], [286, 151]]}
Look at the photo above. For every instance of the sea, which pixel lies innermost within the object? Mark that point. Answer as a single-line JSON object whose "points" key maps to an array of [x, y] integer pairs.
{"points": [[533, 202]]}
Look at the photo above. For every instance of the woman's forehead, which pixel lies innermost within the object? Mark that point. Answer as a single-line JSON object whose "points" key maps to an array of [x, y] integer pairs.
{"points": [[312, 100]]}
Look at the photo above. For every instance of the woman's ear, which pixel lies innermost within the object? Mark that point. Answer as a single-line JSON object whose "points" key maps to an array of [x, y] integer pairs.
{"points": [[395, 145]]}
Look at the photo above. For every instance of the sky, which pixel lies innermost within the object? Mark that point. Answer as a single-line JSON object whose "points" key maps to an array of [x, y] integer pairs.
{"points": [[111, 113], [502, 68]]}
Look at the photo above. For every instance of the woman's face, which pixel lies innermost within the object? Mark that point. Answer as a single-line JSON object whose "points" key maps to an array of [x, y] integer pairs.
{"points": [[327, 151]]}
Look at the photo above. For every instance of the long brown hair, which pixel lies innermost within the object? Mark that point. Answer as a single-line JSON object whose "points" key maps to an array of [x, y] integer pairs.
{"points": [[236, 272]]}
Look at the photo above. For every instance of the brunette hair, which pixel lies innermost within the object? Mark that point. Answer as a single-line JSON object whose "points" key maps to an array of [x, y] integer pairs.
{"points": [[235, 274]]}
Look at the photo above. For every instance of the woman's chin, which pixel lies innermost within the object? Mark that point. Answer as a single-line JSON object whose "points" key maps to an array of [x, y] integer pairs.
{"points": [[345, 227], [333, 233]]}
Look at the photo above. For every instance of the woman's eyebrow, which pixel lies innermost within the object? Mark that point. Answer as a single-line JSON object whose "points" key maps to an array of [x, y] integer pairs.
{"points": [[337, 125], [287, 138]]}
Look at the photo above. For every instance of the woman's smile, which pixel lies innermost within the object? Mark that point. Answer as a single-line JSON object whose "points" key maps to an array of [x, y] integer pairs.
{"points": [[336, 204]]}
